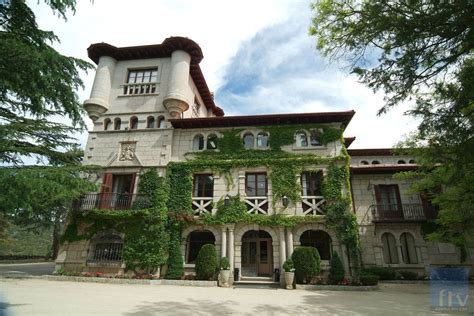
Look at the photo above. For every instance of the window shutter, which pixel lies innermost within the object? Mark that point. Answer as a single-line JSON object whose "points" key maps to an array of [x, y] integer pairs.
{"points": [[399, 200], [378, 199], [106, 186]]}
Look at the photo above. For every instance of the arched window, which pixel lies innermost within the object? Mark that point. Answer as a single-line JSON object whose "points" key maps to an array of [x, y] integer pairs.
{"points": [[150, 122], [161, 122], [412, 161], [301, 139], [212, 141], [318, 239], [133, 122], [364, 162], [262, 140], [401, 162], [107, 124], [376, 162], [198, 142], [106, 248], [408, 248], [195, 241], [249, 141], [389, 246], [315, 138], [117, 124]]}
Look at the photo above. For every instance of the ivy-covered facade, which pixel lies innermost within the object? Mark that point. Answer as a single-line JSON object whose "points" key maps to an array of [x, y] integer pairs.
{"points": [[178, 174]]}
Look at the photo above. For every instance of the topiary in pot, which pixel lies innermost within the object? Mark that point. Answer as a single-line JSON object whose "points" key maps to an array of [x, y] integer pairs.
{"points": [[224, 263], [307, 263], [289, 268], [225, 271], [206, 262], [336, 272]]}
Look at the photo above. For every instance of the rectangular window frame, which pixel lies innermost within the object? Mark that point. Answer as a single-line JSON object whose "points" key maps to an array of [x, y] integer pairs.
{"points": [[256, 188], [199, 185]]}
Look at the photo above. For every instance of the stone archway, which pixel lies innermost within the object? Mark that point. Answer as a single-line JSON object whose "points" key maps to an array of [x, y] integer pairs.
{"points": [[257, 254]]}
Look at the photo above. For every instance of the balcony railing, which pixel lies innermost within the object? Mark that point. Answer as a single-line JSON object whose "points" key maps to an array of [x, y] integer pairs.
{"points": [[139, 88], [115, 201], [313, 205], [202, 205], [402, 212], [256, 204]]}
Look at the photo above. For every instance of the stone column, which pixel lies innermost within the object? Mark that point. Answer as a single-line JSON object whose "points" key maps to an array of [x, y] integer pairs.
{"points": [[231, 248], [224, 242], [289, 242], [282, 246], [400, 256]]}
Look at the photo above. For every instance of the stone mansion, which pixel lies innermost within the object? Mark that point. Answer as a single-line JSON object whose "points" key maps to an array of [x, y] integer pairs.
{"points": [[151, 108]]}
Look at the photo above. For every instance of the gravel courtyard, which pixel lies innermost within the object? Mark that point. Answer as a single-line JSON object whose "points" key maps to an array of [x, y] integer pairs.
{"points": [[43, 297]]}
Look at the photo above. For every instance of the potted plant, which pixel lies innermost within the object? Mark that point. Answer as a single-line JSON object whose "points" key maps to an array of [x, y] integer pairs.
{"points": [[224, 265], [289, 268]]}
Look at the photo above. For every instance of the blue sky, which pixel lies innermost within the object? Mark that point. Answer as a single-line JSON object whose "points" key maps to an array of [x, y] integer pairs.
{"points": [[259, 58]]}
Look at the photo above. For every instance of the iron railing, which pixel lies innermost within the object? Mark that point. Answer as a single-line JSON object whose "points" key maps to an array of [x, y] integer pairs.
{"points": [[402, 212], [114, 201]]}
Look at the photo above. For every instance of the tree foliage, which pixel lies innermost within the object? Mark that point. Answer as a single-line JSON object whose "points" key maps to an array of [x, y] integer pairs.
{"points": [[423, 51]]}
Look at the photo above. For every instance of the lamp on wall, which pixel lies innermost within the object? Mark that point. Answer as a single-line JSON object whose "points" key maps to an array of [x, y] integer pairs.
{"points": [[227, 200], [285, 201]]}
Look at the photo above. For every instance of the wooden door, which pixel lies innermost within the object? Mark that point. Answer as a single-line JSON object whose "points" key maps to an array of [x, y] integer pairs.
{"points": [[105, 196], [264, 257]]}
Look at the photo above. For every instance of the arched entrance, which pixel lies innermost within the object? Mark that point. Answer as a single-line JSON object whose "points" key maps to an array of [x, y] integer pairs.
{"points": [[257, 254]]}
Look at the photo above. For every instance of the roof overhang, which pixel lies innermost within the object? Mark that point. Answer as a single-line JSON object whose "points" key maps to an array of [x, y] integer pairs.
{"points": [[261, 120]]}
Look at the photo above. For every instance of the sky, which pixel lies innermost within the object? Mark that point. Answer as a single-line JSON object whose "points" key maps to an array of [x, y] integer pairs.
{"points": [[258, 57]]}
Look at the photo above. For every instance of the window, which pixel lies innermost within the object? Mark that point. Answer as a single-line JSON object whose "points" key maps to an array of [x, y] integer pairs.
{"points": [[262, 140], [311, 183], [107, 124], [256, 184], [117, 124], [388, 197], [408, 249], [315, 138], [364, 162], [150, 122], [318, 239], [196, 107], [301, 139], [412, 161], [389, 247], [198, 142], [249, 141], [161, 122], [134, 122], [376, 162], [401, 162], [203, 185], [212, 141], [141, 81], [106, 248], [195, 241]]}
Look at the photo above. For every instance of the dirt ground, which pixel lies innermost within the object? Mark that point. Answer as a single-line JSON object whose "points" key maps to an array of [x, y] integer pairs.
{"points": [[43, 297]]}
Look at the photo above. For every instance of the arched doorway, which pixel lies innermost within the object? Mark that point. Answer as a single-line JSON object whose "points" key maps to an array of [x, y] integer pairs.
{"points": [[257, 254]]}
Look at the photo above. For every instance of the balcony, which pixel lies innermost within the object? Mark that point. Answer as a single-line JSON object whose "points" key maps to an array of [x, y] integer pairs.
{"points": [[403, 212], [139, 88], [202, 205], [256, 204], [113, 201], [313, 205]]}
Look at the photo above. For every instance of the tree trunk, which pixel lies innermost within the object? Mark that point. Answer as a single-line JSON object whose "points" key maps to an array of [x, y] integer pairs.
{"points": [[55, 246]]}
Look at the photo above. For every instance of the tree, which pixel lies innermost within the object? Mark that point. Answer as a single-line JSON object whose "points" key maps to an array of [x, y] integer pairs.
{"points": [[420, 51], [37, 91]]}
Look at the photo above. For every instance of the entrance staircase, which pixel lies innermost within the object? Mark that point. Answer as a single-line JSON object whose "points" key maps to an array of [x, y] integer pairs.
{"points": [[256, 283]]}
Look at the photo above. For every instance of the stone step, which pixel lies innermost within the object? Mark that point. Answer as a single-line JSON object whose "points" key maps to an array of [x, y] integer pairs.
{"points": [[256, 283]]}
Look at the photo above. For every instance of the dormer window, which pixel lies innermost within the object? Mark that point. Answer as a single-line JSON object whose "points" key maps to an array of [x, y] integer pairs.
{"points": [[150, 122], [107, 124], [301, 139], [249, 140], [315, 138], [117, 124], [308, 138], [212, 141], [262, 140], [198, 142], [141, 81], [161, 122]]}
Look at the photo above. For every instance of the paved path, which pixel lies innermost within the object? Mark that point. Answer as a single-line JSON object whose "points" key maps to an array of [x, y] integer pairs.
{"points": [[40, 268], [42, 297]]}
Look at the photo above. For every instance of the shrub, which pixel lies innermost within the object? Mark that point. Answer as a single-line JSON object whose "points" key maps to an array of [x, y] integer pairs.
{"points": [[206, 262], [288, 266], [384, 273], [224, 263], [307, 263], [336, 272], [175, 261], [369, 279], [408, 275]]}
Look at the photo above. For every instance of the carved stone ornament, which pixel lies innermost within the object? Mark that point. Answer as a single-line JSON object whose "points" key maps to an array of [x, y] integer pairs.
{"points": [[127, 151]]}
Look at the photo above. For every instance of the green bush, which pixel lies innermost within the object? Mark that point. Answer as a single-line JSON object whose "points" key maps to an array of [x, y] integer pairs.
{"points": [[175, 261], [224, 263], [408, 275], [288, 266], [369, 279], [307, 263], [384, 273], [206, 262], [336, 272]]}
